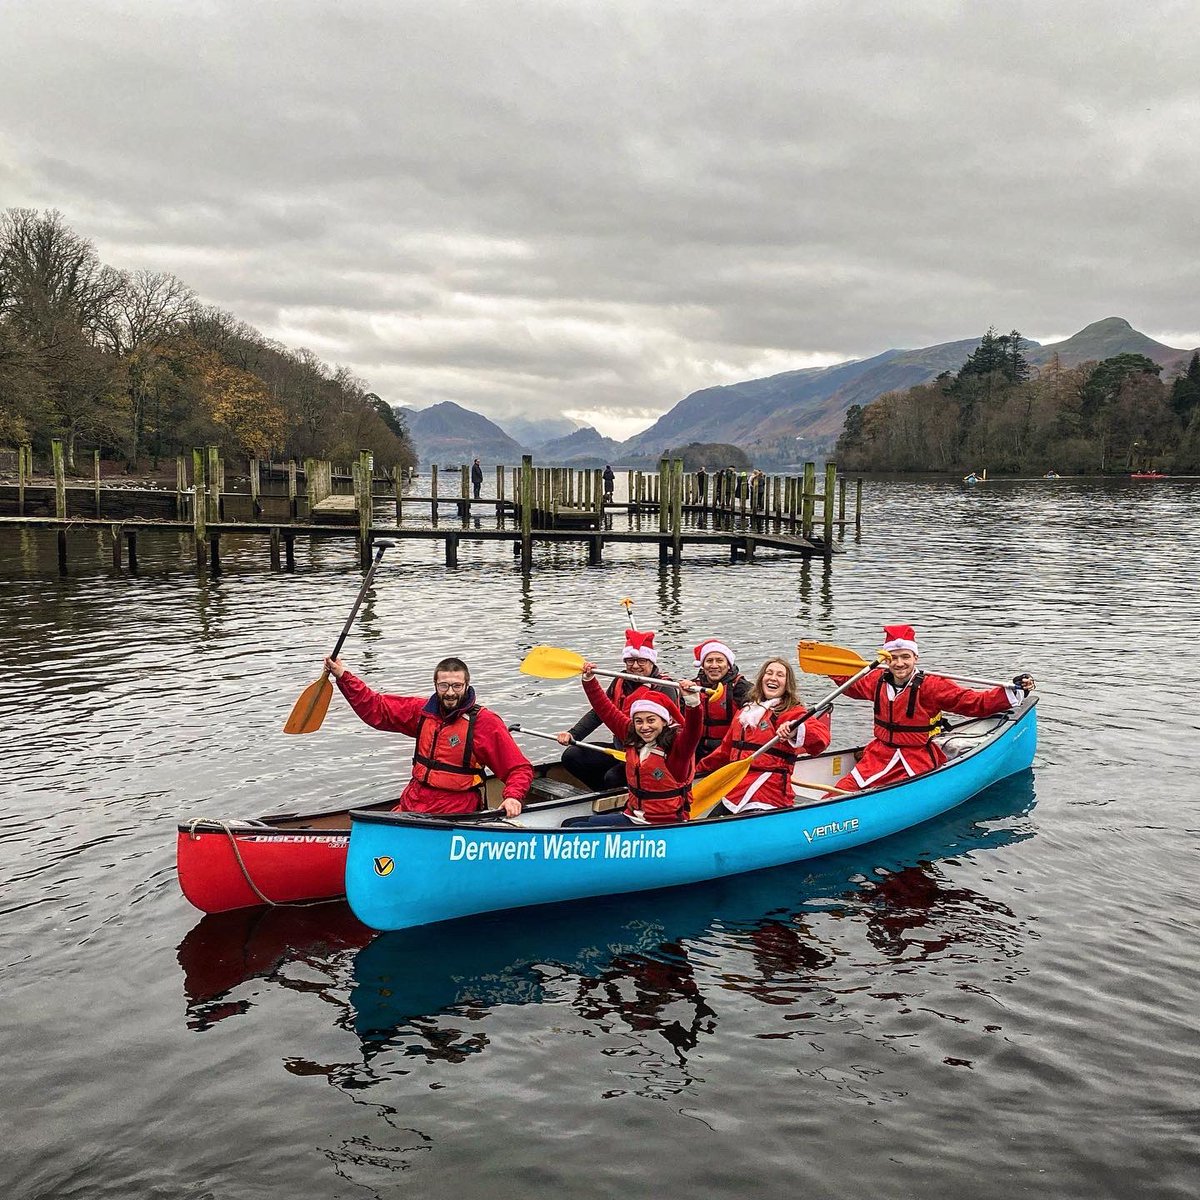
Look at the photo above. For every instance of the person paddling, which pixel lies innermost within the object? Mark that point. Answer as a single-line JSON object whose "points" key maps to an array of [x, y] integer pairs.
{"points": [[456, 740], [772, 708], [660, 745], [593, 768], [717, 666], [908, 704]]}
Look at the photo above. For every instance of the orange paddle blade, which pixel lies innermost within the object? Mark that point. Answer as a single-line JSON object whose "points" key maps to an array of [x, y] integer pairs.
{"points": [[309, 710], [819, 658], [708, 792], [552, 662]]}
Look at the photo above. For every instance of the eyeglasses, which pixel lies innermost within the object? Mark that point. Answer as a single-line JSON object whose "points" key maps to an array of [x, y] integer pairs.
{"points": [[450, 687]]}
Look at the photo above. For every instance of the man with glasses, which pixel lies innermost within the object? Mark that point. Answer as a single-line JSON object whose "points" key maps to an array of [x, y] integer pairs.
{"points": [[457, 740]]}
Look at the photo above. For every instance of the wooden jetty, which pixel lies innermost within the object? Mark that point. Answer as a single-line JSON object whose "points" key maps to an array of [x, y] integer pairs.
{"points": [[667, 510]]}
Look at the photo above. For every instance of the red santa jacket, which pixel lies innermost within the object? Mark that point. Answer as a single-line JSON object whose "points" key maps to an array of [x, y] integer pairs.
{"points": [[905, 720], [769, 780], [660, 784], [452, 750]]}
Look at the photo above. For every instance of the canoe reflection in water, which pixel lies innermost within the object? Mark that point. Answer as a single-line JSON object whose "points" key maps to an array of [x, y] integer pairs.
{"points": [[652, 963]]}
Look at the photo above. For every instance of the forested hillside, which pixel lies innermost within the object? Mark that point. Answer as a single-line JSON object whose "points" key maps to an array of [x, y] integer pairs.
{"points": [[999, 412], [134, 364]]}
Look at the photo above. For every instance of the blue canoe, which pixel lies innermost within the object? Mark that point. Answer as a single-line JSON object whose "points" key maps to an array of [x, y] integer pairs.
{"points": [[405, 870]]}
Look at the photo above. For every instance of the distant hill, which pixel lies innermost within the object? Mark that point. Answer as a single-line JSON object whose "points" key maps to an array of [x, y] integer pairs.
{"points": [[798, 414], [450, 435], [537, 432], [585, 447]]}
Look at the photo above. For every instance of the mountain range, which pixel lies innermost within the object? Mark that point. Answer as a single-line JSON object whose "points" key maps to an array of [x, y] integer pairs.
{"points": [[778, 420]]}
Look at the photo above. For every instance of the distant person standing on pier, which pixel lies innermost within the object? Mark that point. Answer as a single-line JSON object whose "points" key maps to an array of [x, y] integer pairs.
{"points": [[610, 481], [701, 484], [457, 739], [476, 477]]}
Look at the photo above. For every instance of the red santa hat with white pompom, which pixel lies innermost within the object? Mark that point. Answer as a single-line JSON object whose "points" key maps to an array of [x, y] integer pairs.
{"points": [[639, 645], [713, 646], [900, 637], [647, 700]]}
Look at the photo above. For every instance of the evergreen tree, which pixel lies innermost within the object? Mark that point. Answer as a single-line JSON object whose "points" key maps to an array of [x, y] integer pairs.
{"points": [[1185, 391]]}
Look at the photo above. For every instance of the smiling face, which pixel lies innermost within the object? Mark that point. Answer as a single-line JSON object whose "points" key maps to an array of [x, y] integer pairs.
{"points": [[450, 686], [773, 679], [639, 666], [715, 666], [648, 725], [903, 664]]}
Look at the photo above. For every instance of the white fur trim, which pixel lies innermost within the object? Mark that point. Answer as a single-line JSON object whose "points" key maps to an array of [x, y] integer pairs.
{"points": [[901, 644], [644, 652], [650, 706], [715, 647]]}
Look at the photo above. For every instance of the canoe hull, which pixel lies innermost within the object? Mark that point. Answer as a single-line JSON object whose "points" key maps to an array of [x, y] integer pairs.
{"points": [[403, 871]]}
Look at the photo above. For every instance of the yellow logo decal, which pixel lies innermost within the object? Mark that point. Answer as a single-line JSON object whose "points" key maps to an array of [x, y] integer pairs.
{"points": [[384, 865]]}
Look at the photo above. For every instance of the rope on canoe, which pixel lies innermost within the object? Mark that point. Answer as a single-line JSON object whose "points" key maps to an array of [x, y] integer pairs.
{"points": [[237, 854]]}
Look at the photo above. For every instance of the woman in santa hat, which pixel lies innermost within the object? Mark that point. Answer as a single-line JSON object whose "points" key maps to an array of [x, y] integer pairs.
{"points": [[908, 704], [717, 669], [660, 746], [772, 708], [593, 768]]}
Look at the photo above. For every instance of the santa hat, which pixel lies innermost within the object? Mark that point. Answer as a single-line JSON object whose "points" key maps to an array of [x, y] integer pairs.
{"points": [[647, 700], [713, 646], [639, 645], [900, 637]]}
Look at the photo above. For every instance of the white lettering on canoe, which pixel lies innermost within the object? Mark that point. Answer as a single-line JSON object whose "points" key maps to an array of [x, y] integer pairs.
{"points": [[490, 850], [832, 829], [558, 847], [316, 839]]}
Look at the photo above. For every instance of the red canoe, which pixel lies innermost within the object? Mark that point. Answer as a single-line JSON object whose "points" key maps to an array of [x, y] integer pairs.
{"points": [[291, 858], [1147, 475]]}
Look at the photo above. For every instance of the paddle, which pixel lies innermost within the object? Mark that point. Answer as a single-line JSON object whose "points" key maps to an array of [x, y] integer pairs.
{"points": [[818, 658], [711, 790], [550, 737], [553, 662], [309, 710]]}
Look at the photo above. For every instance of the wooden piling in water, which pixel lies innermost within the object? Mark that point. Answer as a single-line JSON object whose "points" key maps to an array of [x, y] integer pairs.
{"points": [[841, 507], [433, 496], [274, 547], [96, 477], [60, 479], [213, 476], [131, 546], [24, 470], [806, 499], [366, 466], [255, 470], [526, 502], [199, 506], [677, 511], [830, 488], [858, 506], [292, 505]]}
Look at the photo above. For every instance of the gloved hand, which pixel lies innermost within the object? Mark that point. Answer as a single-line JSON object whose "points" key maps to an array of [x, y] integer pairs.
{"points": [[1025, 682]]}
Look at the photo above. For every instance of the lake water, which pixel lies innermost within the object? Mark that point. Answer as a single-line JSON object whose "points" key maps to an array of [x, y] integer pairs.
{"points": [[1000, 1003]]}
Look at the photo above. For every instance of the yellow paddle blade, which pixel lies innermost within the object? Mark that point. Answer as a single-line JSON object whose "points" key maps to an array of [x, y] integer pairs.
{"points": [[619, 755], [716, 693], [708, 792], [309, 710], [819, 658], [552, 662]]}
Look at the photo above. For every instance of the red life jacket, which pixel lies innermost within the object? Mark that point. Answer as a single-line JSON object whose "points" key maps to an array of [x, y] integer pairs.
{"points": [[718, 713], [903, 721], [778, 760], [653, 791], [445, 752]]}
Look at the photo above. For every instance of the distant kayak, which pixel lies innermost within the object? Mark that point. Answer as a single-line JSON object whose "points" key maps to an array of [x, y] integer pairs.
{"points": [[1147, 475]]}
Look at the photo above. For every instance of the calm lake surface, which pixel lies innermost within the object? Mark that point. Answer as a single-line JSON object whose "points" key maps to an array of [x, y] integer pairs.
{"points": [[1000, 1003]]}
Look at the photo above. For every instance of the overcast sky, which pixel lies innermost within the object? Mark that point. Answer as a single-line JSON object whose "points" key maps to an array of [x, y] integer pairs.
{"points": [[595, 208]]}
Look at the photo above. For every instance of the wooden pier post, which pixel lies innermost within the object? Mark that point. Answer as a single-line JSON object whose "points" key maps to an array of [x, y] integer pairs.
{"points": [[180, 487], [289, 549], [806, 499], [598, 504], [677, 511], [830, 489], [629, 492], [464, 490], [214, 553], [292, 506], [24, 470], [398, 491], [841, 507], [60, 479], [199, 505], [433, 500], [451, 549], [526, 502], [499, 489], [213, 476], [131, 546], [274, 547], [254, 470], [116, 546], [366, 465], [858, 506]]}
